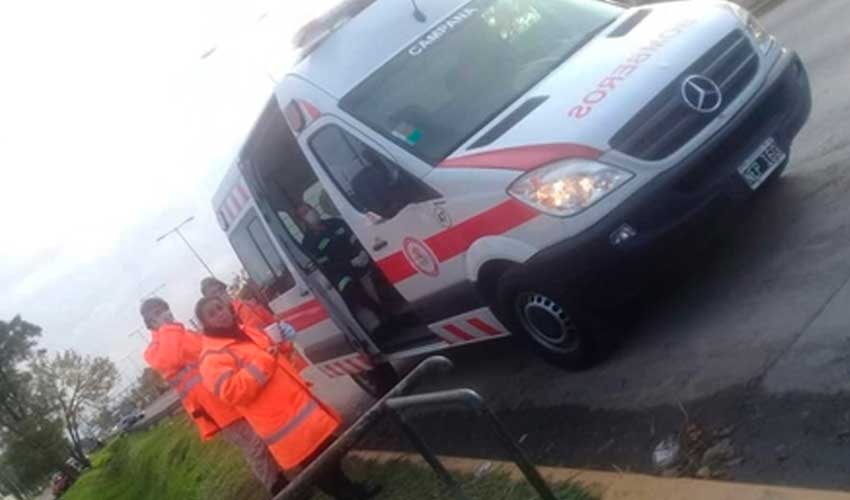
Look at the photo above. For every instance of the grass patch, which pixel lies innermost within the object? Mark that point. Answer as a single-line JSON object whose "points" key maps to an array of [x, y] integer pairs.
{"points": [[169, 462], [406, 481]]}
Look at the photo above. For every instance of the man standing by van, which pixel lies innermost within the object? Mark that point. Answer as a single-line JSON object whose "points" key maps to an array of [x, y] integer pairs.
{"points": [[174, 353]]}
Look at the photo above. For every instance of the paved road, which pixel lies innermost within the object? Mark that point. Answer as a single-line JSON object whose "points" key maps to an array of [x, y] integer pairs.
{"points": [[769, 303]]}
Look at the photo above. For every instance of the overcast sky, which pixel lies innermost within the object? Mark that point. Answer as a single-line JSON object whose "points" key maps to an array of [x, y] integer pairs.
{"points": [[113, 130]]}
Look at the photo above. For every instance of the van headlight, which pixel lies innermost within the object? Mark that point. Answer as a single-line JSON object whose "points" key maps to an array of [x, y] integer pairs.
{"points": [[762, 38], [569, 187]]}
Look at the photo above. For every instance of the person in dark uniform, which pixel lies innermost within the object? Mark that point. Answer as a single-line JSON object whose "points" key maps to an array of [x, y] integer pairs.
{"points": [[342, 259]]}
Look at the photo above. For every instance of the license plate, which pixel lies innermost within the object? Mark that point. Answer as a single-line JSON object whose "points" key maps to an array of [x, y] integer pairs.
{"points": [[762, 163]]}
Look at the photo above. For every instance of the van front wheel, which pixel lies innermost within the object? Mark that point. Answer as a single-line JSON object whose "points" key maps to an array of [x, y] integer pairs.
{"points": [[547, 320]]}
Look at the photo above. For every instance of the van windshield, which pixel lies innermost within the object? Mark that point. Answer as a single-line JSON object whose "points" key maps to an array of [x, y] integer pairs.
{"points": [[440, 90]]}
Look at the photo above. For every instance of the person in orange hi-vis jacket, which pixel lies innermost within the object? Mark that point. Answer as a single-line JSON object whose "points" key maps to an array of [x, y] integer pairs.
{"points": [[243, 368], [174, 353], [253, 314]]}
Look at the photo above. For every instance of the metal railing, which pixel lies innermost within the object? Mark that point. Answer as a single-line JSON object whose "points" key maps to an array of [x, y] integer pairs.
{"points": [[396, 403]]}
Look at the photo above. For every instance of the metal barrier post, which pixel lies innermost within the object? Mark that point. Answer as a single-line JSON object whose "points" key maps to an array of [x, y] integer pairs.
{"points": [[428, 454], [473, 400], [335, 452]]}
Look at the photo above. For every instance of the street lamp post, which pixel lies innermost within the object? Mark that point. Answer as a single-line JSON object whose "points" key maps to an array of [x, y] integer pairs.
{"points": [[138, 333], [176, 230]]}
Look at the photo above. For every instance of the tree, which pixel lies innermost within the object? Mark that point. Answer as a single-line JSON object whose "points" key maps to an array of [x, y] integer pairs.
{"points": [[33, 445], [144, 391], [149, 386], [17, 339], [36, 453], [104, 420], [75, 387]]}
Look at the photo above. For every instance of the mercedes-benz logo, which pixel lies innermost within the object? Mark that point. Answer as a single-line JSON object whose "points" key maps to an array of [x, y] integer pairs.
{"points": [[702, 94]]}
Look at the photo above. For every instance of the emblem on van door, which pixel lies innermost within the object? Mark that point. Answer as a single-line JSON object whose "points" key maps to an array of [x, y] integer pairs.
{"points": [[421, 257], [702, 94]]}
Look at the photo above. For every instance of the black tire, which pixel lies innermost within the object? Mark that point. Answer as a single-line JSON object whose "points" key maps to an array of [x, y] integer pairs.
{"points": [[549, 321], [378, 381]]}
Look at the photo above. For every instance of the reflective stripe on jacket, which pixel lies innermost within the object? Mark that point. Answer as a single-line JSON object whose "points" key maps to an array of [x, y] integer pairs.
{"points": [[270, 394], [174, 353]]}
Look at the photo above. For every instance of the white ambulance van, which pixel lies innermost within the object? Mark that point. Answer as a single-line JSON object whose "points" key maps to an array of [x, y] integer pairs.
{"points": [[443, 172]]}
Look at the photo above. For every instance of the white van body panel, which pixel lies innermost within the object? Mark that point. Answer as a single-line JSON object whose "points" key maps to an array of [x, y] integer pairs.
{"points": [[432, 252], [493, 248]]}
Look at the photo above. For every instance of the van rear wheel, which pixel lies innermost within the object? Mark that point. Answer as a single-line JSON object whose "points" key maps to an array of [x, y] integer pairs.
{"points": [[549, 321], [378, 381]]}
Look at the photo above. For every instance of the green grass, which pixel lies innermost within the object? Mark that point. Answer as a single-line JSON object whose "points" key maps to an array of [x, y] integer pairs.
{"points": [[405, 481], [170, 463]]}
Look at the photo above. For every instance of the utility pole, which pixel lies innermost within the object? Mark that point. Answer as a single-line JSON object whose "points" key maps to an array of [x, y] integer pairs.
{"points": [[176, 230]]}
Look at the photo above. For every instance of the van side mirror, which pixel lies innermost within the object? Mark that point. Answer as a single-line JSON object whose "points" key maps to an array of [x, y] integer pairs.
{"points": [[375, 219]]}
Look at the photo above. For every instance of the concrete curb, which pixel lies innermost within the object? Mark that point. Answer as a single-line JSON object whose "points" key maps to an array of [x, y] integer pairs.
{"points": [[623, 486]]}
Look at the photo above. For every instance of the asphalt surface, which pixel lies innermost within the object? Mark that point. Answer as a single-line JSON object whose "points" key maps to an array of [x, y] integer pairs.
{"points": [[753, 332]]}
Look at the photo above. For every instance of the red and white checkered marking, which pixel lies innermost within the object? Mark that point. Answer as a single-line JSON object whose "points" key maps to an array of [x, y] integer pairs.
{"points": [[473, 326], [348, 365]]}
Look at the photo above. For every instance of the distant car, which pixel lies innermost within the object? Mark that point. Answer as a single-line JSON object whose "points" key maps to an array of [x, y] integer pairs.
{"points": [[129, 420], [61, 483]]}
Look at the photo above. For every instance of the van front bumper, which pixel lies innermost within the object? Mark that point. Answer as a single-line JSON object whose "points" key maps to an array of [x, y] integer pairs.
{"points": [[599, 266]]}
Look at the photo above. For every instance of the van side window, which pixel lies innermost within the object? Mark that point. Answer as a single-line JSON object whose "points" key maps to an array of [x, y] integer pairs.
{"points": [[369, 180], [259, 256]]}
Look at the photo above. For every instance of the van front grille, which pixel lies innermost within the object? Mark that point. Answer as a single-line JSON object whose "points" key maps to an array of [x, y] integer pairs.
{"points": [[667, 123]]}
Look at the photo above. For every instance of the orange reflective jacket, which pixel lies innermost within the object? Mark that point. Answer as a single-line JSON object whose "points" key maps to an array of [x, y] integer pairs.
{"points": [[256, 316], [270, 394], [174, 353]]}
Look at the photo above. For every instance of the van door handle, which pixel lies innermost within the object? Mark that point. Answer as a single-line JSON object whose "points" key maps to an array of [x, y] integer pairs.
{"points": [[379, 245], [303, 292]]}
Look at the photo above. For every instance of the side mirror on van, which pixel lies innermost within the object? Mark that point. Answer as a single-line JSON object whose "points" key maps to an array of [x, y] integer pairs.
{"points": [[375, 219]]}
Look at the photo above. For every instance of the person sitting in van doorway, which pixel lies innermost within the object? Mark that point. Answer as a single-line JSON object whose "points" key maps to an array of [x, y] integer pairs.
{"points": [[241, 367], [253, 314], [174, 353], [342, 259]]}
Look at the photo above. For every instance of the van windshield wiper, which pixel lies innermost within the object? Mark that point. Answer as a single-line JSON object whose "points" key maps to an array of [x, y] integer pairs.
{"points": [[417, 12]]}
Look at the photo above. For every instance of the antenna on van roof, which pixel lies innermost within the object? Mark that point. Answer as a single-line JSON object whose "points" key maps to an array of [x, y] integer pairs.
{"points": [[417, 13]]}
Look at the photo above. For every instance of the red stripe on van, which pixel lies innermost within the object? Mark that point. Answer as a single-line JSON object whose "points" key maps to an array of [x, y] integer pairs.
{"points": [[243, 192], [522, 157], [483, 327], [457, 332], [497, 220], [457, 239], [396, 267], [311, 110], [305, 315]]}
